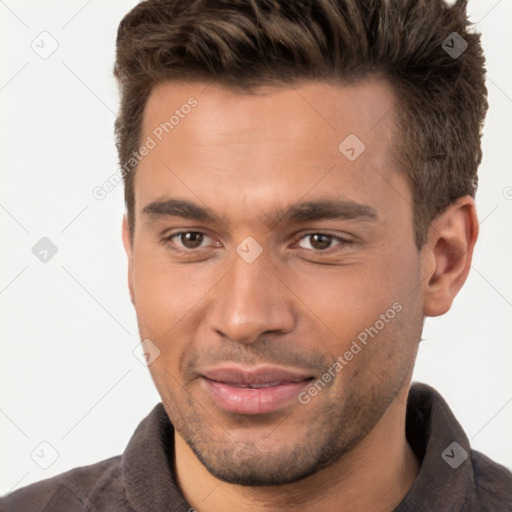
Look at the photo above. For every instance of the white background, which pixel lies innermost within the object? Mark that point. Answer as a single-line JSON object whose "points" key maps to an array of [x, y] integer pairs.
{"points": [[68, 374]]}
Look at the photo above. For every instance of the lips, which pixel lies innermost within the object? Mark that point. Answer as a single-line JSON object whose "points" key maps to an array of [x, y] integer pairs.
{"points": [[253, 391], [259, 386]]}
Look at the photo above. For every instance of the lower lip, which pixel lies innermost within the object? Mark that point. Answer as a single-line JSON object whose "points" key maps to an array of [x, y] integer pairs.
{"points": [[253, 400]]}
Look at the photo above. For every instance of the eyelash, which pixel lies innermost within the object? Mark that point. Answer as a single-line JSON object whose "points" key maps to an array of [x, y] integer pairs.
{"points": [[343, 241]]}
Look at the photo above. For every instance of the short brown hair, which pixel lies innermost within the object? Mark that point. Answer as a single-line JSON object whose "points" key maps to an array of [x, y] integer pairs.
{"points": [[250, 43]]}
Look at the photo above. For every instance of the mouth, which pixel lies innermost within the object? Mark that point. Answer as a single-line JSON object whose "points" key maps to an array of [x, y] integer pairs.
{"points": [[253, 391], [260, 386]]}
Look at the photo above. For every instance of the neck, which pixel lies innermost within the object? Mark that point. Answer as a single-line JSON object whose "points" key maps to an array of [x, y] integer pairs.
{"points": [[375, 475]]}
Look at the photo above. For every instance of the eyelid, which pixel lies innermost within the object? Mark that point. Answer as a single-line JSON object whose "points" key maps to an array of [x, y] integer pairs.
{"points": [[168, 237], [343, 241]]}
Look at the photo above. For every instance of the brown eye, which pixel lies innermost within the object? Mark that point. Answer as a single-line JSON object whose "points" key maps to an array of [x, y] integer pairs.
{"points": [[189, 242], [191, 239], [318, 241]]}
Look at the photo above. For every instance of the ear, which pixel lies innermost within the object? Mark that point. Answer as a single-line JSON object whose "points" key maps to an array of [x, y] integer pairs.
{"points": [[129, 254], [447, 255]]}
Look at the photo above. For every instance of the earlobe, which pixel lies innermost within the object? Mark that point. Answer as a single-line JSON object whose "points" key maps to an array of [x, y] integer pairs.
{"points": [[127, 243], [451, 240]]}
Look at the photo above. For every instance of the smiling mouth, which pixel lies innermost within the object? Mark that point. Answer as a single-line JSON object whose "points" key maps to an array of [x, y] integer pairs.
{"points": [[253, 391], [263, 384]]}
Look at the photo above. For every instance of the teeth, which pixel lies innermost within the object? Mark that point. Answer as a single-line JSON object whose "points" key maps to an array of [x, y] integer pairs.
{"points": [[257, 386], [266, 385], [262, 385]]}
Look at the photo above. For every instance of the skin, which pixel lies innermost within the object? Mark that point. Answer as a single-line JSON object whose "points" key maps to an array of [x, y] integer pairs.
{"points": [[244, 157]]}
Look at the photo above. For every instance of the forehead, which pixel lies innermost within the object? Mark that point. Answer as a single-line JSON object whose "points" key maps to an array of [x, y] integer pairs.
{"points": [[311, 107], [214, 142]]}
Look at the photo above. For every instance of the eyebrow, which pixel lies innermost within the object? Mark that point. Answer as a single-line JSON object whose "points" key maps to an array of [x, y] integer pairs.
{"points": [[301, 212]]}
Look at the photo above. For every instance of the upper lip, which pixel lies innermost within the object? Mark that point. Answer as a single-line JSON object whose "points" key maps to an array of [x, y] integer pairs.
{"points": [[259, 375]]}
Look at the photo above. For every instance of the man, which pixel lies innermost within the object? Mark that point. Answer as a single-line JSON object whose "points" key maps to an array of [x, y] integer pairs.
{"points": [[299, 182]]}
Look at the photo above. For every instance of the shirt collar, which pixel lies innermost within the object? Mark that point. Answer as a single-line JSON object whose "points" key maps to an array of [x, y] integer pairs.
{"points": [[440, 444]]}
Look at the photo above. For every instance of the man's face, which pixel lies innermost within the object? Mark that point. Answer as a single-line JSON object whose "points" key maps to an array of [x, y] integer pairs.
{"points": [[252, 307]]}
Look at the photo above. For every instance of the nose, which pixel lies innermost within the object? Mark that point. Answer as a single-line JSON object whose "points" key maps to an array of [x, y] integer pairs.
{"points": [[252, 300]]}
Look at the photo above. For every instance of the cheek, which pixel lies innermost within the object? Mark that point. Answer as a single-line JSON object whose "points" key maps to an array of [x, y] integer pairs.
{"points": [[165, 292], [171, 302], [361, 301]]}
